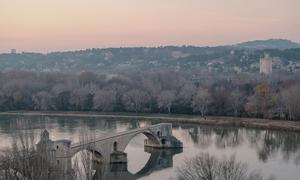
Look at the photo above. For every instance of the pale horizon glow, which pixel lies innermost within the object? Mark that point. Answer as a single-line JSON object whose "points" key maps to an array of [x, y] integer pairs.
{"points": [[60, 25]]}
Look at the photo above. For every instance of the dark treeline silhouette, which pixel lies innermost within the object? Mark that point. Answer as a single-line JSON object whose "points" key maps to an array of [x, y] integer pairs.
{"points": [[161, 91]]}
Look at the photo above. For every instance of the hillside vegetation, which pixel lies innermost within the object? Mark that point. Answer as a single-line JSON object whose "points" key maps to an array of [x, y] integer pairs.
{"points": [[226, 59]]}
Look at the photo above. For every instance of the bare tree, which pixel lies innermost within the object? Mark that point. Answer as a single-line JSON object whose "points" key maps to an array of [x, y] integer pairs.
{"points": [[186, 93], [105, 100], [201, 100], [236, 101], [166, 99], [207, 167], [291, 102], [22, 161], [202, 167], [62, 96], [135, 100], [86, 78], [25, 160], [153, 86], [252, 107], [82, 162], [43, 101], [82, 98], [230, 169]]}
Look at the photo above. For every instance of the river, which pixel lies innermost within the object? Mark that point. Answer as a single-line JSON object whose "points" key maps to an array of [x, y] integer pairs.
{"points": [[271, 152]]}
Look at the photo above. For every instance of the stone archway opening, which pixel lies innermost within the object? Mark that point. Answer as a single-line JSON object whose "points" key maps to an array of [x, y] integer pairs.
{"points": [[137, 157], [86, 163], [163, 141], [115, 146]]}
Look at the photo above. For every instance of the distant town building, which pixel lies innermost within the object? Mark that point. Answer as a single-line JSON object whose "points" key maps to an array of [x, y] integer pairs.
{"points": [[13, 51], [265, 65]]}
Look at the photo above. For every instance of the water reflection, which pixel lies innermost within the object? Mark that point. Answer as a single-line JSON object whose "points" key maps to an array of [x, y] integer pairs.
{"points": [[265, 149], [159, 159], [266, 143]]}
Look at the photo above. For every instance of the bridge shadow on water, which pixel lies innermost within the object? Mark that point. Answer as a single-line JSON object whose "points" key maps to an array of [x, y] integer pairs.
{"points": [[159, 159]]}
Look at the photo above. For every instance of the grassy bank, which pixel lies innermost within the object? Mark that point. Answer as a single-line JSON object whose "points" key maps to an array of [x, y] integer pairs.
{"points": [[192, 119]]}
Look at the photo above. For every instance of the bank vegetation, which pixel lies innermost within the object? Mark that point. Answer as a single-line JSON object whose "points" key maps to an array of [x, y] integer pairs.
{"points": [[240, 95]]}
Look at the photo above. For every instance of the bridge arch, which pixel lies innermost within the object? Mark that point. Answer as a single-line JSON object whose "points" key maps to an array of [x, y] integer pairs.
{"points": [[140, 137], [94, 151], [86, 161], [151, 136]]}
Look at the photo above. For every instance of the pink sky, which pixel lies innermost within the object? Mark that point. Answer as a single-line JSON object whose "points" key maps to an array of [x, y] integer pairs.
{"points": [[57, 25]]}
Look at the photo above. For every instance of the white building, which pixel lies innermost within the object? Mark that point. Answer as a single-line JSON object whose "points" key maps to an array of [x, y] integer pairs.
{"points": [[265, 65]]}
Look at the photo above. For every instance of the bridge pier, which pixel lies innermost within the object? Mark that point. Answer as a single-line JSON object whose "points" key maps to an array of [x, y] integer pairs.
{"points": [[165, 137], [118, 157]]}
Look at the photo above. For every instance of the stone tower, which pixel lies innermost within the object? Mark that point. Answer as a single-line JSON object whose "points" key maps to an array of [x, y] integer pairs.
{"points": [[265, 65]]}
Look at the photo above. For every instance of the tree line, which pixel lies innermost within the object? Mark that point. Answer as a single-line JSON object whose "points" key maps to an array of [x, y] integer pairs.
{"points": [[242, 95]]}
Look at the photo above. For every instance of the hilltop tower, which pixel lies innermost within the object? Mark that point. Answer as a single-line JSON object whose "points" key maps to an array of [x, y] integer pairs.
{"points": [[265, 65]]}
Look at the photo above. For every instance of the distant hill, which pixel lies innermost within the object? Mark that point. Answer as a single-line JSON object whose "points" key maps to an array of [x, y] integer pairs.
{"points": [[268, 44], [222, 59]]}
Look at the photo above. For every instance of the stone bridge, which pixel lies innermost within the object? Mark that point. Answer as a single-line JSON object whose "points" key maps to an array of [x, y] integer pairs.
{"points": [[107, 149]]}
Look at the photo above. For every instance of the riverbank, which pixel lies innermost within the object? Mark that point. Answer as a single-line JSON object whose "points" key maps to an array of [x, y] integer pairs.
{"points": [[191, 119]]}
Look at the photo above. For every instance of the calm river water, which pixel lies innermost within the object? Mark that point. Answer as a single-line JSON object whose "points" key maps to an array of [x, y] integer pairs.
{"points": [[271, 152]]}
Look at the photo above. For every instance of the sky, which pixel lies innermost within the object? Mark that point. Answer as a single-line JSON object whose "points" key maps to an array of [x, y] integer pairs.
{"points": [[61, 25]]}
